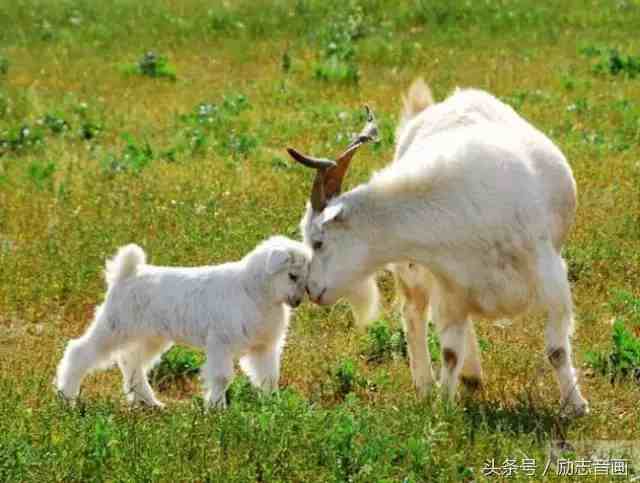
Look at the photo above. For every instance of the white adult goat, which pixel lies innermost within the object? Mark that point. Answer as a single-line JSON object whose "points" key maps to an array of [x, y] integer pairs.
{"points": [[472, 214]]}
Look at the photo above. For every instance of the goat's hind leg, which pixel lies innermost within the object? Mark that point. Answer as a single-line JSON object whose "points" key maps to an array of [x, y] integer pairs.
{"points": [[217, 375], [135, 362], [92, 350], [556, 295]]}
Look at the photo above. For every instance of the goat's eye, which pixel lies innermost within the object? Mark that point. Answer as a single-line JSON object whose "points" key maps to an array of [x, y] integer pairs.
{"points": [[317, 245], [293, 277]]}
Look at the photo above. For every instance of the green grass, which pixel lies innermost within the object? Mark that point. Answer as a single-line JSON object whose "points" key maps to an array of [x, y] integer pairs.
{"points": [[383, 342], [187, 159], [623, 359]]}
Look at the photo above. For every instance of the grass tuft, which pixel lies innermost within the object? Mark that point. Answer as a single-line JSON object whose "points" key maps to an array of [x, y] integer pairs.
{"points": [[383, 342], [152, 65], [623, 358]]}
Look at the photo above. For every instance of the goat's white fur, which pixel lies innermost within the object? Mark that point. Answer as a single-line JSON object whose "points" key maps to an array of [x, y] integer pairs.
{"points": [[238, 309], [471, 215]]}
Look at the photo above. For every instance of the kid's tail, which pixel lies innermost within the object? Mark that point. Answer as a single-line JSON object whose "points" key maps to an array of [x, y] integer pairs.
{"points": [[124, 264]]}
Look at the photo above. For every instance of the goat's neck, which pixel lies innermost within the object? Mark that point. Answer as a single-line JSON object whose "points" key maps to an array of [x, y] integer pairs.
{"points": [[393, 228]]}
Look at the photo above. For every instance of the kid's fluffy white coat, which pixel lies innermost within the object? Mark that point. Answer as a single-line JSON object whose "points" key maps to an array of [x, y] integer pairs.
{"points": [[238, 309]]}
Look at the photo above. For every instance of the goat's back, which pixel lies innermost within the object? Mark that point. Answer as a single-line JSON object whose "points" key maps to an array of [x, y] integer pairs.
{"points": [[471, 107]]}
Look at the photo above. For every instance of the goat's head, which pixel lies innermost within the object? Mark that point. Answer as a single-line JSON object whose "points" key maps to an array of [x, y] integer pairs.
{"points": [[336, 251]]}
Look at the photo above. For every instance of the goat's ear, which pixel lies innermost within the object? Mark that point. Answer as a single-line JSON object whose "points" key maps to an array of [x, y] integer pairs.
{"points": [[334, 213], [277, 260]]}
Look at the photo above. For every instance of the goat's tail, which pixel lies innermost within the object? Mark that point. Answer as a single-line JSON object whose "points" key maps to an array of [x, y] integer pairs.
{"points": [[418, 98], [124, 264]]}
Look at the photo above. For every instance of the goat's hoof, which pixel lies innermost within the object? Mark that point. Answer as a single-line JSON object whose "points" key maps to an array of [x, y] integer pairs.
{"points": [[142, 403], [70, 401], [576, 409], [581, 409], [424, 389], [64, 398], [219, 405], [471, 383]]}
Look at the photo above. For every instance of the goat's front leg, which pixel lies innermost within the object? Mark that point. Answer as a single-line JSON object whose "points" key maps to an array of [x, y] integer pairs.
{"points": [[262, 366], [415, 326], [471, 373], [217, 375], [364, 298], [453, 341]]}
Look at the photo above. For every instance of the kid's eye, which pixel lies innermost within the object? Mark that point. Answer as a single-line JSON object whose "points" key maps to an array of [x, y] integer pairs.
{"points": [[293, 278], [317, 245]]}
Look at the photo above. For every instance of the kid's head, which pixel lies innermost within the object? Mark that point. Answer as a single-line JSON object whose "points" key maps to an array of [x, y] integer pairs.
{"points": [[287, 266]]}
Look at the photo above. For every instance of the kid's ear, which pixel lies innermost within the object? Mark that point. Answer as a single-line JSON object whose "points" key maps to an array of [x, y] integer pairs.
{"points": [[277, 260], [334, 213]]}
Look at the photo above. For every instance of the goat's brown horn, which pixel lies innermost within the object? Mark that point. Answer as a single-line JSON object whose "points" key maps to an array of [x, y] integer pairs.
{"points": [[310, 162], [318, 198], [329, 175], [369, 132], [334, 177]]}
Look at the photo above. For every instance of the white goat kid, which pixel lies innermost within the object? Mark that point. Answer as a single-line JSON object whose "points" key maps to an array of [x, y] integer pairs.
{"points": [[472, 213], [238, 309]]}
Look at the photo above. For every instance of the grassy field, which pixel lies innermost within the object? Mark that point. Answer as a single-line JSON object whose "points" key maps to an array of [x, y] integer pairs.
{"points": [[183, 153]]}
